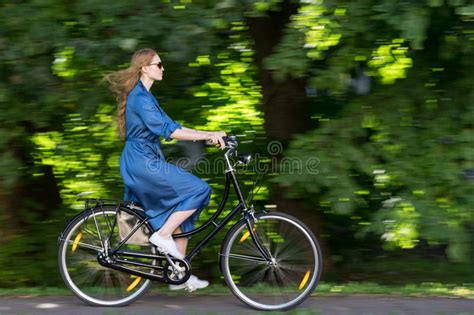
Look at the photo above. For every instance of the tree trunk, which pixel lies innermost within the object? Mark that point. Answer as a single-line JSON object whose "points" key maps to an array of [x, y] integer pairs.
{"points": [[284, 107], [283, 102]]}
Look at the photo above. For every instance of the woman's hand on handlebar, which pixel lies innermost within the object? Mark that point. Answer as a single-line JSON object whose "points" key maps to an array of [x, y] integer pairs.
{"points": [[216, 139]]}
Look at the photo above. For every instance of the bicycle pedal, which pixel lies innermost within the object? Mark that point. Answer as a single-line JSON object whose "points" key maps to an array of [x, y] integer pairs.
{"points": [[189, 288]]}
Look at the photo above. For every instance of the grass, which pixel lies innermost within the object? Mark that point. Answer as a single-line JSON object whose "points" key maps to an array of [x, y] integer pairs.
{"points": [[324, 289], [423, 290], [391, 270]]}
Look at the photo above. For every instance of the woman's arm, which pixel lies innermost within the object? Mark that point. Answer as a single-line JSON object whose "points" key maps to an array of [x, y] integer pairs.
{"points": [[190, 134], [184, 133], [208, 133]]}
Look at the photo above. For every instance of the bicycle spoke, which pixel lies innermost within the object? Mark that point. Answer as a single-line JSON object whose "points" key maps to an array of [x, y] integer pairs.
{"points": [[254, 277], [281, 283], [81, 270]]}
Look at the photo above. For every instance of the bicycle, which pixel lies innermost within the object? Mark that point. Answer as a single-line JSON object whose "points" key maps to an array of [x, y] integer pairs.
{"points": [[270, 260]]}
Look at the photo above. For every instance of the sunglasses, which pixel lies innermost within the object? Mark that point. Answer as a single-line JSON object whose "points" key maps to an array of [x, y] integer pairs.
{"points": [[160, 66]]}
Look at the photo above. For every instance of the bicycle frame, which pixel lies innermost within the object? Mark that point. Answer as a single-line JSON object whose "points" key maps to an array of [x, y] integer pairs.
{"points": [[248, 216]]}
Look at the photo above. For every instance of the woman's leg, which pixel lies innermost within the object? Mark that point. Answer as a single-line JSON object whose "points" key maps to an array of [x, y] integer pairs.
{"points": [[181, 242], [172, 226], [162, 238], [174, 221]]}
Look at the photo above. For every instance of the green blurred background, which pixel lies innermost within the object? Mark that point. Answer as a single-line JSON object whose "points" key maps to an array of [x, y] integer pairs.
{"points": [[375, 95]]}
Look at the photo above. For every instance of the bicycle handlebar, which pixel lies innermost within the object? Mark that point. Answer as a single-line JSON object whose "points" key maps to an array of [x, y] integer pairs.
{"points": [[230, 142]]}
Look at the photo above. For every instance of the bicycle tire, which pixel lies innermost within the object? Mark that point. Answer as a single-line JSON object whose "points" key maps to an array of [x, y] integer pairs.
{"points": [[72, 241], [289, 280]]}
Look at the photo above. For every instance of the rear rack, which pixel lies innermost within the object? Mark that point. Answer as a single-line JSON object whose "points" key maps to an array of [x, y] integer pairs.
{"points": [[106, 201]]}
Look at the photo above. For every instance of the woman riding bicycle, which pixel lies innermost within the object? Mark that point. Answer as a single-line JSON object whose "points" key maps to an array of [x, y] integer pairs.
{"points": [[172, 197]]}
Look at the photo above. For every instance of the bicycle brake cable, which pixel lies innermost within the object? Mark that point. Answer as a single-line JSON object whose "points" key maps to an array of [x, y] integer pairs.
{"points": [[252, 191]]}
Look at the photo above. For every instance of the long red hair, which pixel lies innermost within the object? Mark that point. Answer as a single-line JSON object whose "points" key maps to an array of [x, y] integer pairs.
{"points": [[123, 81]]}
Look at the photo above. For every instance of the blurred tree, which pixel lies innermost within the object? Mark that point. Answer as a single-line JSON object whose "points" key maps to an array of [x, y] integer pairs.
{"points": [[379, 91], [394, 160], [58, 133]]}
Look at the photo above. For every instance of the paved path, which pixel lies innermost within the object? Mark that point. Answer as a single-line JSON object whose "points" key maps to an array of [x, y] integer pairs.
{"points": [[227, 304]]}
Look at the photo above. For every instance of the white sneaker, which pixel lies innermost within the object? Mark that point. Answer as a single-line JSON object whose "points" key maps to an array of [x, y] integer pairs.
{"points": [[191, 285], [166, 245]]}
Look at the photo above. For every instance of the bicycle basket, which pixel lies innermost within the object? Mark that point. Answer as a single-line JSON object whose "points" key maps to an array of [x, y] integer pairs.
{"points": [[126, 223]]}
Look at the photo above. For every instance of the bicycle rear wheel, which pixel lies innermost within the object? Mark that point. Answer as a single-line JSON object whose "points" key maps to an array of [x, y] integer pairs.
{"points": [[288, 279], [90, 233]]}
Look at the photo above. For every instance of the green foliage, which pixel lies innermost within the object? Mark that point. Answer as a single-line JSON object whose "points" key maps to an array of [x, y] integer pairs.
{"points": [[394, 158], [84, 157], [399, 147], [390, 61], [407, 156]]}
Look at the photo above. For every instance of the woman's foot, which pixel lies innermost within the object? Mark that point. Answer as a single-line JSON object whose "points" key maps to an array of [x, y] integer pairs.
{"points": [[192, 284], [166, 245]]}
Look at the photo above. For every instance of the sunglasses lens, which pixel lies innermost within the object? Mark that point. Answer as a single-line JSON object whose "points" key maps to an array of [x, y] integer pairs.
{"points": [[157, 64]]}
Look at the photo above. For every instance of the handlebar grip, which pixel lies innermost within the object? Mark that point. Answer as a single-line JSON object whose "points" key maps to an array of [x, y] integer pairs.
{"points": [[228, 138], [230, 141]]}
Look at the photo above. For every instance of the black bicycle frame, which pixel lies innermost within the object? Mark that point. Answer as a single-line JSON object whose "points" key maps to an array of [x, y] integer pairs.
{"points": [[242, 206]]}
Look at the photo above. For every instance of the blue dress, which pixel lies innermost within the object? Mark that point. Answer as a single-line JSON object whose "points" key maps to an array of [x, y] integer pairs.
{"points": [[160, 187]]}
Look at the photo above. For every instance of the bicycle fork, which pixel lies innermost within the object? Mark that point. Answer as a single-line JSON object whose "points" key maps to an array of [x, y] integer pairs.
{"points": [[251, 222]]}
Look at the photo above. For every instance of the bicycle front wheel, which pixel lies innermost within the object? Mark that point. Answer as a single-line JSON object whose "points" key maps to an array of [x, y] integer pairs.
{"points": [[285, 281], [90, 233]]}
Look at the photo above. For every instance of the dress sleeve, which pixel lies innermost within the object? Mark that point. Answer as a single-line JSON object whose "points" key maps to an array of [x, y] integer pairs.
{"points": [[156, 119]]}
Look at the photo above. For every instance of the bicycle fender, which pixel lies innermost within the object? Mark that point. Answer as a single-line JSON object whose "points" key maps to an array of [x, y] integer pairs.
{"points": [[139, 213]]}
